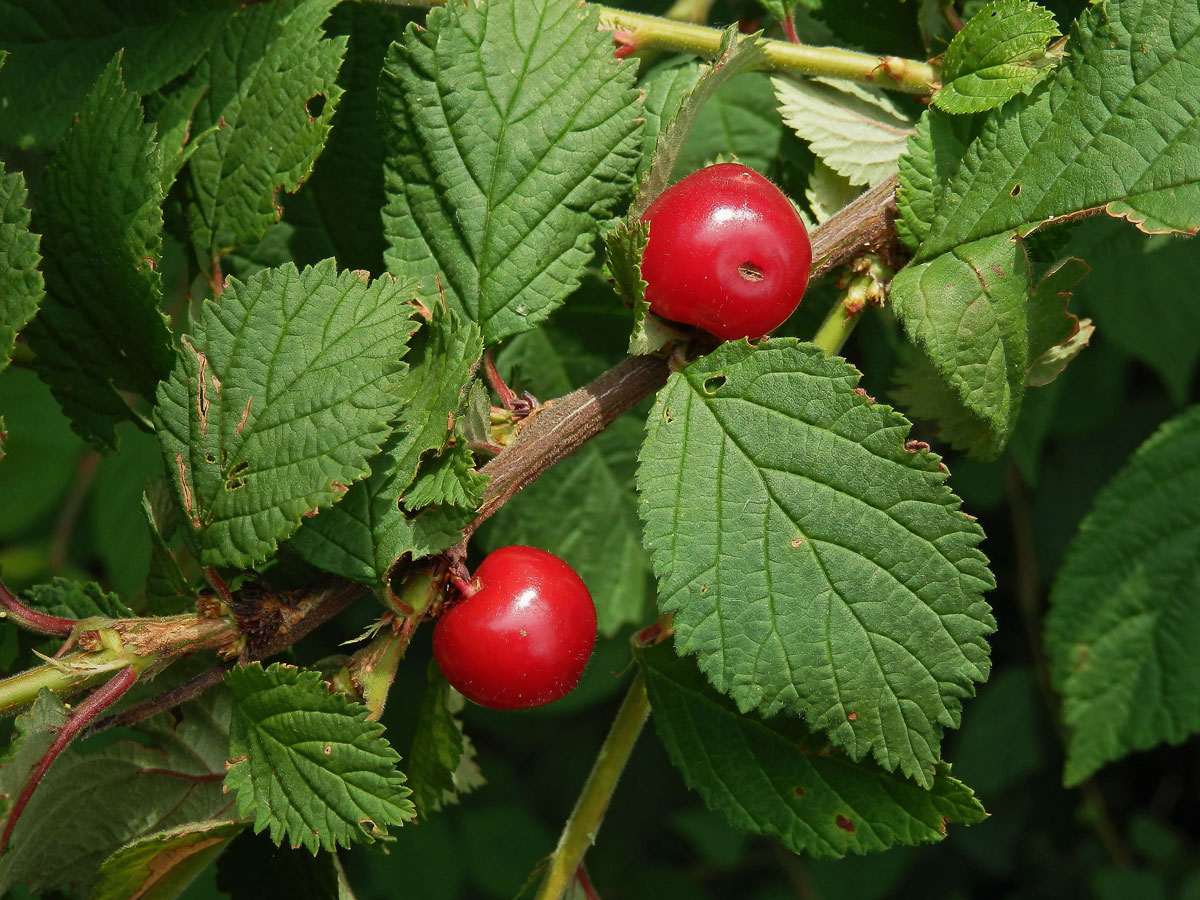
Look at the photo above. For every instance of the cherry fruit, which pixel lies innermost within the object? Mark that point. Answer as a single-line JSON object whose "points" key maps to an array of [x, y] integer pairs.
{"points": [[728, 252], [524, 637]]}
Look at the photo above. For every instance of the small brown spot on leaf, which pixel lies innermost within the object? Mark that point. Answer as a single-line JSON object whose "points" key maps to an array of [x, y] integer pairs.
{"points": [[797, 542], [338, 486], [853, 717], [845, 824], [864, 395], [799, 791], [185, 492], [245, 415], [915, 446], [328, 749]]}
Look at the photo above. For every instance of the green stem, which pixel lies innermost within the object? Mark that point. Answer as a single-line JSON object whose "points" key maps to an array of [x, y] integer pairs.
{"points": [[653, 32], [62, 677], [581, 827], [835, 330]]}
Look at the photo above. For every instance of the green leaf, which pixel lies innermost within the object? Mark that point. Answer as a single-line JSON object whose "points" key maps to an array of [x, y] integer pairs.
{"points": [[1000, 52], [278, 400], [1094, 136], [517, 112], [70, 599], [160, 866], [828, 192], [932, 156], [21, 287], [858, 132], [625, 245], [585, 510], [33, 732], [448, 478], [772, 776], [363, 535], [271, 89], [740, 121], [738, 53], [920, 391], [347, 182], [167, 589], [441, 763], [815, 562], [99, 331], [307, 763], [58, 845], [58, 48], [666, 87], [1125, 607], [968, 312], [1055, 335]]}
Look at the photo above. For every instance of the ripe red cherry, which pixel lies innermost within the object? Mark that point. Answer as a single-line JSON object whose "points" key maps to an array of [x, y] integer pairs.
{"points": [[524, 638], [727, 252]]}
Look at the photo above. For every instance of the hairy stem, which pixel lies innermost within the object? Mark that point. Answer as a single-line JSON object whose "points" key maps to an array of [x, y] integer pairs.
{"points": [[63, 677], [835, 330], [653, 32], [581, 827], [31, 619]]}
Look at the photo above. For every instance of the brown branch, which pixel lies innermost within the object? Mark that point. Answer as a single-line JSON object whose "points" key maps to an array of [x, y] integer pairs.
{"points": [[560, 427]]}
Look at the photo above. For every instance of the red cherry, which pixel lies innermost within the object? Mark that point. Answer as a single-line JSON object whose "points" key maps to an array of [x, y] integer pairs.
{"points": [[728, 252], [524, 637]]}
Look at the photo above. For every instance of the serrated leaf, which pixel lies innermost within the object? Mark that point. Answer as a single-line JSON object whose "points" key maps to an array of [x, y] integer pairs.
{"points": [[739, 122], [62, 839], [932, 155], [160, 866], [71, 599], [441, 763], [21, 286], [828, 192], [449, 478], [271, 88], [307, 763], [1056, 336], [774, 777], [815, 562], [625, 244], [1125, 607], [1000, 52], [362, 536], [584, 511], [1091, 137], [514, 133], [968, 312], [33, 732], [738, 53], [859, 132], [60, 47], [257, 436], [920, 391], [99, 331], [666, 87]]}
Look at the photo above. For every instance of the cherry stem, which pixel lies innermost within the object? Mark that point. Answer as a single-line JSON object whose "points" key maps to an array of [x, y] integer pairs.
{"points": [[835, 330], [584, 822], [31, 619], [98, 701]]}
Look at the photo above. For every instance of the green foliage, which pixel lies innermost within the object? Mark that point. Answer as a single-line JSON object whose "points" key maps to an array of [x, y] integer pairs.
{"points": [[256, 437], [261, 79], [858, 132], [525, 121], [363, 535], [70, 599], [99, 331], [999, 53], [1124, 607], [58, 48], [738, 54], [1136, 160], [441, 764], [771, 776], [307, 764], [21, 286], [141, 789], [159, 866], [814, 561]]}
